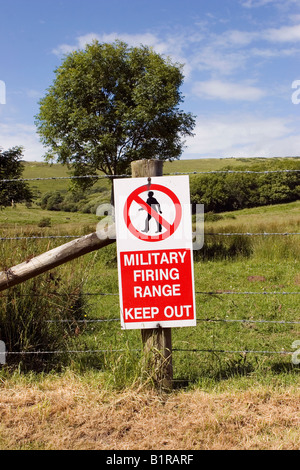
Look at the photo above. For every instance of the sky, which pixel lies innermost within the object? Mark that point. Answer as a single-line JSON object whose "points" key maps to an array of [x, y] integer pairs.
{"points": [[241, 65]]}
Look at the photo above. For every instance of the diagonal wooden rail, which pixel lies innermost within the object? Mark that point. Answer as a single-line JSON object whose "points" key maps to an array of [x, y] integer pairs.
{"points": [[56, 257]]}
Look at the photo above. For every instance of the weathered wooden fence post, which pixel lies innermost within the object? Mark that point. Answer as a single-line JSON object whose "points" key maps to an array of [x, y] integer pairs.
{"points": [[157, 342]]}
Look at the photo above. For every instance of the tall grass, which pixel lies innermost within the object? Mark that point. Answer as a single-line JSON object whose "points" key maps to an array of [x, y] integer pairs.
{"points": [[236, 263], [38, 317]]}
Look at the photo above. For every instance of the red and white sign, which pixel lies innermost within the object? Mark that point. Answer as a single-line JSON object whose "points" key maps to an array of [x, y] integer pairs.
{"points": [[155, 259]]}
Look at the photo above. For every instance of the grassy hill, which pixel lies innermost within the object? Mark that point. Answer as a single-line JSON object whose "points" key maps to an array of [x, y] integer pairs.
{"points": [[53, 193], [46, 170]]}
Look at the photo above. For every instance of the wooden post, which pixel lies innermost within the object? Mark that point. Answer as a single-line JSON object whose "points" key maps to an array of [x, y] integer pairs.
{"points": [[157, 342]]}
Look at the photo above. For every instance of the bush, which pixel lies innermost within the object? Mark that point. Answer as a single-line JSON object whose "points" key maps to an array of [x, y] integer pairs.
{"points": [[230, 191], [54, 201], [33, 318], [45, 222]]}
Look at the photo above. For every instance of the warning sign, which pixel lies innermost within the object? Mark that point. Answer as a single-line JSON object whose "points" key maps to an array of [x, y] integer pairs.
{"points": [[154, 244]]}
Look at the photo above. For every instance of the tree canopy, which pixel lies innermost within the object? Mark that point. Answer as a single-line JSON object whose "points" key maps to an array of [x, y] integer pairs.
{"points": [[11, 168], [110, 104]]}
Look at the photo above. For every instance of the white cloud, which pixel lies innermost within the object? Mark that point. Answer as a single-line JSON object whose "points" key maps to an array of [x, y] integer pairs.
{"points": [[131, 39], [221, 90], [283, 34], [213, 59], [171, 46], [34, 94], [242, 136], [257, 3], [17, 134], [149, 39], [262, 3], [224, 54], [239, 38], [63, 49]]}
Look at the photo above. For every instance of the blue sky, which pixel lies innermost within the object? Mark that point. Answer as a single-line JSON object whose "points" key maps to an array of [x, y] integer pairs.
{"points": [[242, 75]]}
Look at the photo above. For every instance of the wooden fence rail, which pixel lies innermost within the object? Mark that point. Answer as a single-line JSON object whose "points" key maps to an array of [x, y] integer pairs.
{"points": [[56, 257]]}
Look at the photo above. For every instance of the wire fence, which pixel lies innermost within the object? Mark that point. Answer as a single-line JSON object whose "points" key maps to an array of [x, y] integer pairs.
{"points": [[200, 320], [216, 293], [54, 237], [72, 177]]}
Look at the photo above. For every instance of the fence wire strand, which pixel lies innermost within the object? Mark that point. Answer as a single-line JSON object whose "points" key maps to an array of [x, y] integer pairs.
{"points": [[99, 351], [71, 177], [212, 293], [53, 237]]}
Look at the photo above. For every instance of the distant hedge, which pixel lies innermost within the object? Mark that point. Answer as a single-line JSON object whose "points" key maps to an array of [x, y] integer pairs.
{"points": [[72, 201], [232, 191]]}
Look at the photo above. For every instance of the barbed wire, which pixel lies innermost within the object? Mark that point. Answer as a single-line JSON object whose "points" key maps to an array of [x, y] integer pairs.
{"points": [[246, 293], [249, 234], [14, 180], [116, 294], [225, 234], [225, 320], [71, 177], [228, 320], [98, 351], [215, 293], [37, 237], [245, 351], [86, 351], [234, 171]]}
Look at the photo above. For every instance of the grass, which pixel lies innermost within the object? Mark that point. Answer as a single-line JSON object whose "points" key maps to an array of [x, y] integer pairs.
{"points": [[221, 399], [72, 412], [257, 268], [21, 220]]}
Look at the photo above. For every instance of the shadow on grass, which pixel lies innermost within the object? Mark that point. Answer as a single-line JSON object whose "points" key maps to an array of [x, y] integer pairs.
{"points": [[235, 369], [217, 248]]}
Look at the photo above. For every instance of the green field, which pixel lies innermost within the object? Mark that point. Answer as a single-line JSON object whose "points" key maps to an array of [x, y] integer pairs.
{"points": [[74, 380], [228, 323]]}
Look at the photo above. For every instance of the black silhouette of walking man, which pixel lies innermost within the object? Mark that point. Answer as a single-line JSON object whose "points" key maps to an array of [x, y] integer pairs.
{"points": [[154, 204]]}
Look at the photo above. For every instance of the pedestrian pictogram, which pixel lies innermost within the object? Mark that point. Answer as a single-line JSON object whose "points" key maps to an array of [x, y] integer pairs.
{"points": [[152, 209], [154, 247], [153, 204]]}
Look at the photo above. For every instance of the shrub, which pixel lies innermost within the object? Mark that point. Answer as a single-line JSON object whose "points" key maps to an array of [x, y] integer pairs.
{"points": [[230, 191], [33, 318], [45, 222]]}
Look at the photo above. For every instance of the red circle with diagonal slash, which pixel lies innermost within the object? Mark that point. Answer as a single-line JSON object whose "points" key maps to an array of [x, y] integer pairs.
{"points": [[170, 228]]}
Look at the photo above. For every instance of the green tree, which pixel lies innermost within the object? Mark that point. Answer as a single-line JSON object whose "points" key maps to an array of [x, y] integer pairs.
{"points": [[11, 168], [110, 104]]}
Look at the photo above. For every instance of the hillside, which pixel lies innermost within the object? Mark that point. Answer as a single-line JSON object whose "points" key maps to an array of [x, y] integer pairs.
{"points": [[219, 192], [46, 170]]}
